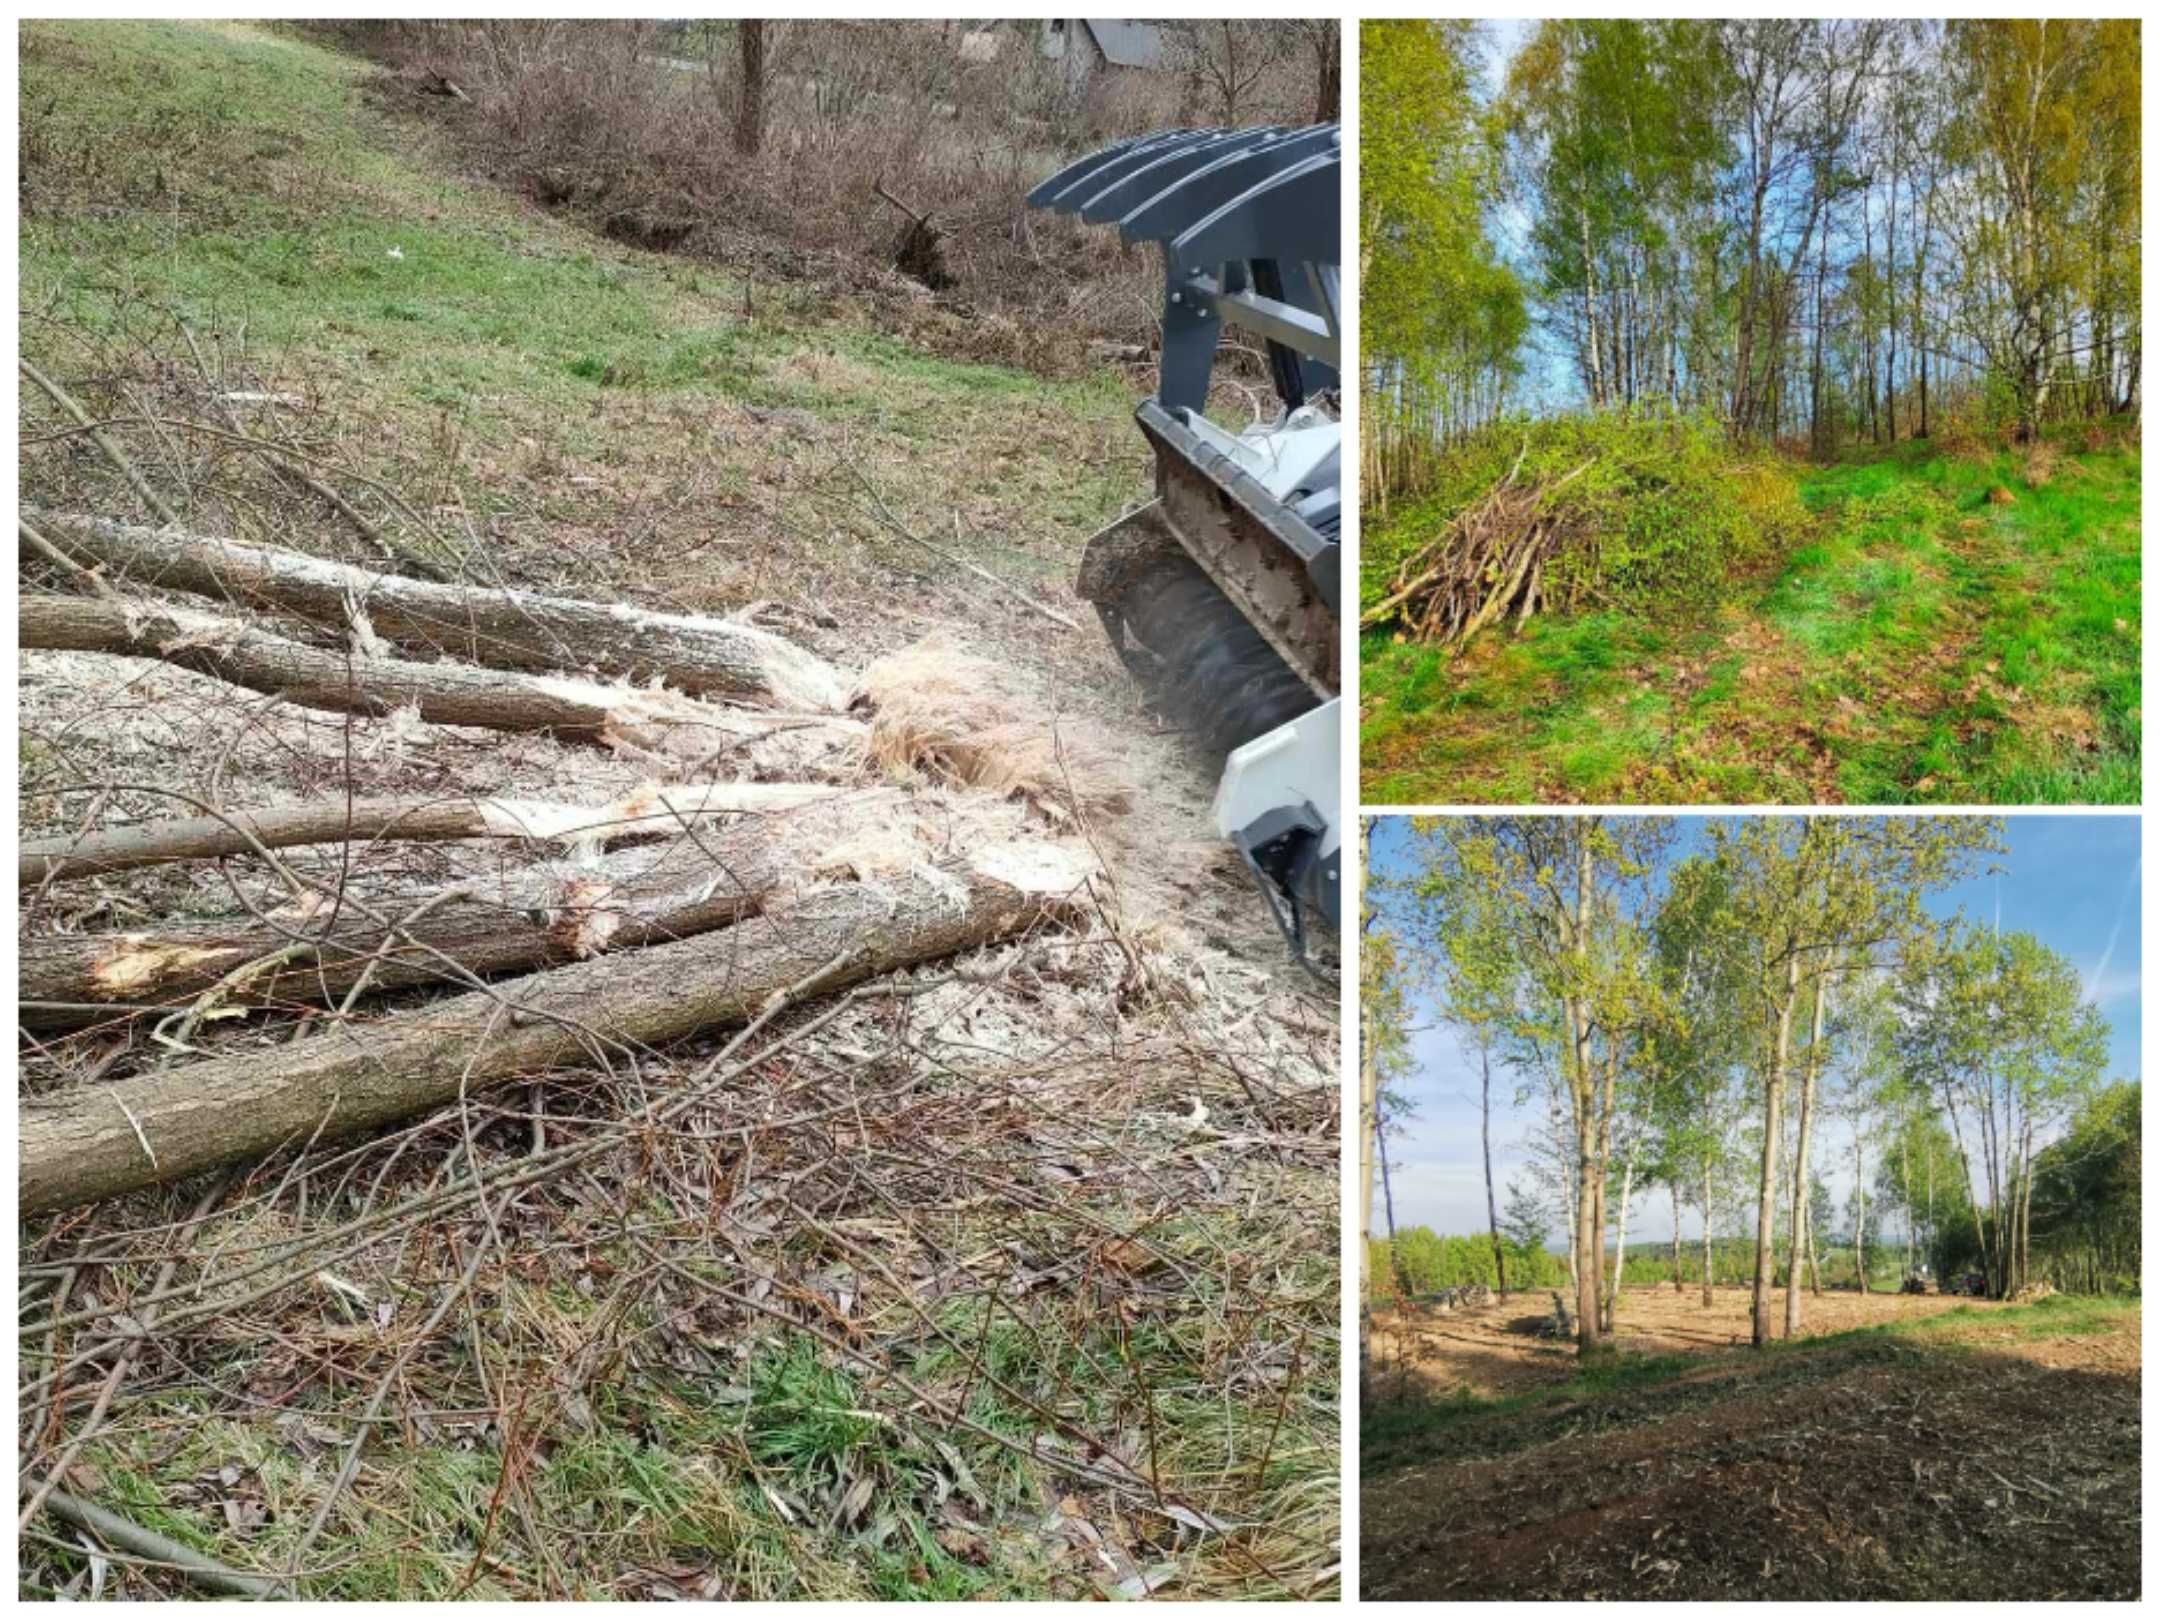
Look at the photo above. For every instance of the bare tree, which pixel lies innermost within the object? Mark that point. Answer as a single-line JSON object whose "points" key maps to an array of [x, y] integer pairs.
{"points": [[1322, 36], [1224, 62]]}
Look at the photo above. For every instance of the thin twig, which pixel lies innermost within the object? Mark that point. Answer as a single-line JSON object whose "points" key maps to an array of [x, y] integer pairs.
{"points": [[113, 453]]}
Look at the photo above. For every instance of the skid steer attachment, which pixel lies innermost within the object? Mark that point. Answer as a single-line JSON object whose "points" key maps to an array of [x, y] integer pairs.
{"points": [[1223, 595]]}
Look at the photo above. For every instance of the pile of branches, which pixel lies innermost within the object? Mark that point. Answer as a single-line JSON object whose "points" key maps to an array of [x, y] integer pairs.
{"points": [[1489, 564], [806, 841], [750, 859]]}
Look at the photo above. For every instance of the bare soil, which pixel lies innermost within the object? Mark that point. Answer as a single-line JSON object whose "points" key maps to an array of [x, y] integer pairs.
{"points": [[1983, 1458], [1500, 1350]]}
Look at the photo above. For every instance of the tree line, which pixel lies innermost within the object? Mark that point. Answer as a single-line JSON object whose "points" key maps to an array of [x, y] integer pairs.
{"points": [[1813, 230], [1684, 1020]]}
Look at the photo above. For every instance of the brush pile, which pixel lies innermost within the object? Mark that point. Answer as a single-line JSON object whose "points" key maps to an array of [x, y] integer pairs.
{"points": [[1486, 566], [1527, 519]]}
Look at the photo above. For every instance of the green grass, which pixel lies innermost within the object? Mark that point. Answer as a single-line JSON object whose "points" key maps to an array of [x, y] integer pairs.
{"points": [[1918, 645], [2059, 1316], [472, 351]]}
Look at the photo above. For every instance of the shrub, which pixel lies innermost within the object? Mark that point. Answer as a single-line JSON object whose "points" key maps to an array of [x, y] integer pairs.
{"points": [[1657, 512], [635, 126], [1422, 1261]]}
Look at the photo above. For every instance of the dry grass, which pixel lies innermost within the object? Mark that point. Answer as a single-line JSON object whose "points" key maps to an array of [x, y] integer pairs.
{"points": [[632, 128]]}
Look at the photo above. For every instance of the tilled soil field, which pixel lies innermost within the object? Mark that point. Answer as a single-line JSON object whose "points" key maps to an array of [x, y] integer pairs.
{"points": [[1992, 1456]]}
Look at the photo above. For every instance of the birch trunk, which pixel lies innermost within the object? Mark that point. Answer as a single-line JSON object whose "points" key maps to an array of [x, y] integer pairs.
{"points": [[505, 921], [1773, 1126], [1619, 1263], [1709, 1255], [1803, 1240], [647, 813], [442, 694]]}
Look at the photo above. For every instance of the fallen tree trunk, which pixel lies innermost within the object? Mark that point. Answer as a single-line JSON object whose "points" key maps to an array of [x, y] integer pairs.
{"points": [[99, 1141], [493, 627], [646, 813], [522, 918], [443, 694]]}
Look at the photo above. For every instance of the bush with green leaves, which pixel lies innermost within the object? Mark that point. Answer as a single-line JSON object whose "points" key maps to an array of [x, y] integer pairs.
{"points": [[1421, 1261], [1656, 512]]}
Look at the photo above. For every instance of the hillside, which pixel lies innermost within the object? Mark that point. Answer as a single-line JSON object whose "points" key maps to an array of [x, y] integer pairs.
{"points": [[1012, 1274]]}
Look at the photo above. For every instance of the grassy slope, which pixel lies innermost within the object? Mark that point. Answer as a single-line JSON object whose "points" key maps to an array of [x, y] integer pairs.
{"points": [[592, 398], [1924, 646], [505, 362]]}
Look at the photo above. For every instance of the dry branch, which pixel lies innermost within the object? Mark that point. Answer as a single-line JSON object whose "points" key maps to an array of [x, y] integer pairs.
{"points": [[79, 1146], [125, 1535], [513, 920], [649, 812], [1487, 563], [493, 627], [444, 694], [113, 453]]}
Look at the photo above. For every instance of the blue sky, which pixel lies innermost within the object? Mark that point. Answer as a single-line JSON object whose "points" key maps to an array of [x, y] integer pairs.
{"points": [[2071, 881]]}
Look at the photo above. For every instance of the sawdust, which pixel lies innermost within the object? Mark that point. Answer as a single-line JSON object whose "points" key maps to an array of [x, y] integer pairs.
{"points": [[954, 716], [135, 965]]}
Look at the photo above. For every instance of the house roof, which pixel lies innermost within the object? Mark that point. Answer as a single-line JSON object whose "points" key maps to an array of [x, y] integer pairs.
{"points": [[1125, 43]]}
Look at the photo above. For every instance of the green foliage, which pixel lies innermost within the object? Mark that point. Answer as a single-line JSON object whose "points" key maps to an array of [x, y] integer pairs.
{"points": [[2041, 128], [1525, 1221], [1660, 513], [2087, 1197], [1427, 1261], [1855, 227], [1441, 317], [1618, 123]]}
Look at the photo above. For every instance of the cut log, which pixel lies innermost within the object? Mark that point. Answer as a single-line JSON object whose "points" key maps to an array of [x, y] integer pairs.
{"points": [[649, 812], [652, 721], [492, 627], [508, 921], [99, 1141]]}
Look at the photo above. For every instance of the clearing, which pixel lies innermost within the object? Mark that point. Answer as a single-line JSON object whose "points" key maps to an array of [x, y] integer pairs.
{"points": [[1906, 1448], [1925, 645], [1079, 1189]]}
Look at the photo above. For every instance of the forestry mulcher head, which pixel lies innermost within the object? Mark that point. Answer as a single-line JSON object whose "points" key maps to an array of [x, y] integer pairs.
{"points": [[1223, 594]]}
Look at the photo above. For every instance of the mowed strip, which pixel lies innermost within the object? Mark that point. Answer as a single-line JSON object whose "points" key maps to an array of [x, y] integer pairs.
{"points": [[1973, 1454]]}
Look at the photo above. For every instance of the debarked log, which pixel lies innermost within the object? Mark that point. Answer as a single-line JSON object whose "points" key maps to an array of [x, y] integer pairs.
{"points": [[649, 720], [103, 1140], [647, 812], [496, 628], [503, 922]]}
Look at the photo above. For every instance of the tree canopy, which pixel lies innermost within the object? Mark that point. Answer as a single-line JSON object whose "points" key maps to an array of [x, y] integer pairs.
{"points": [[1816, 230]]}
